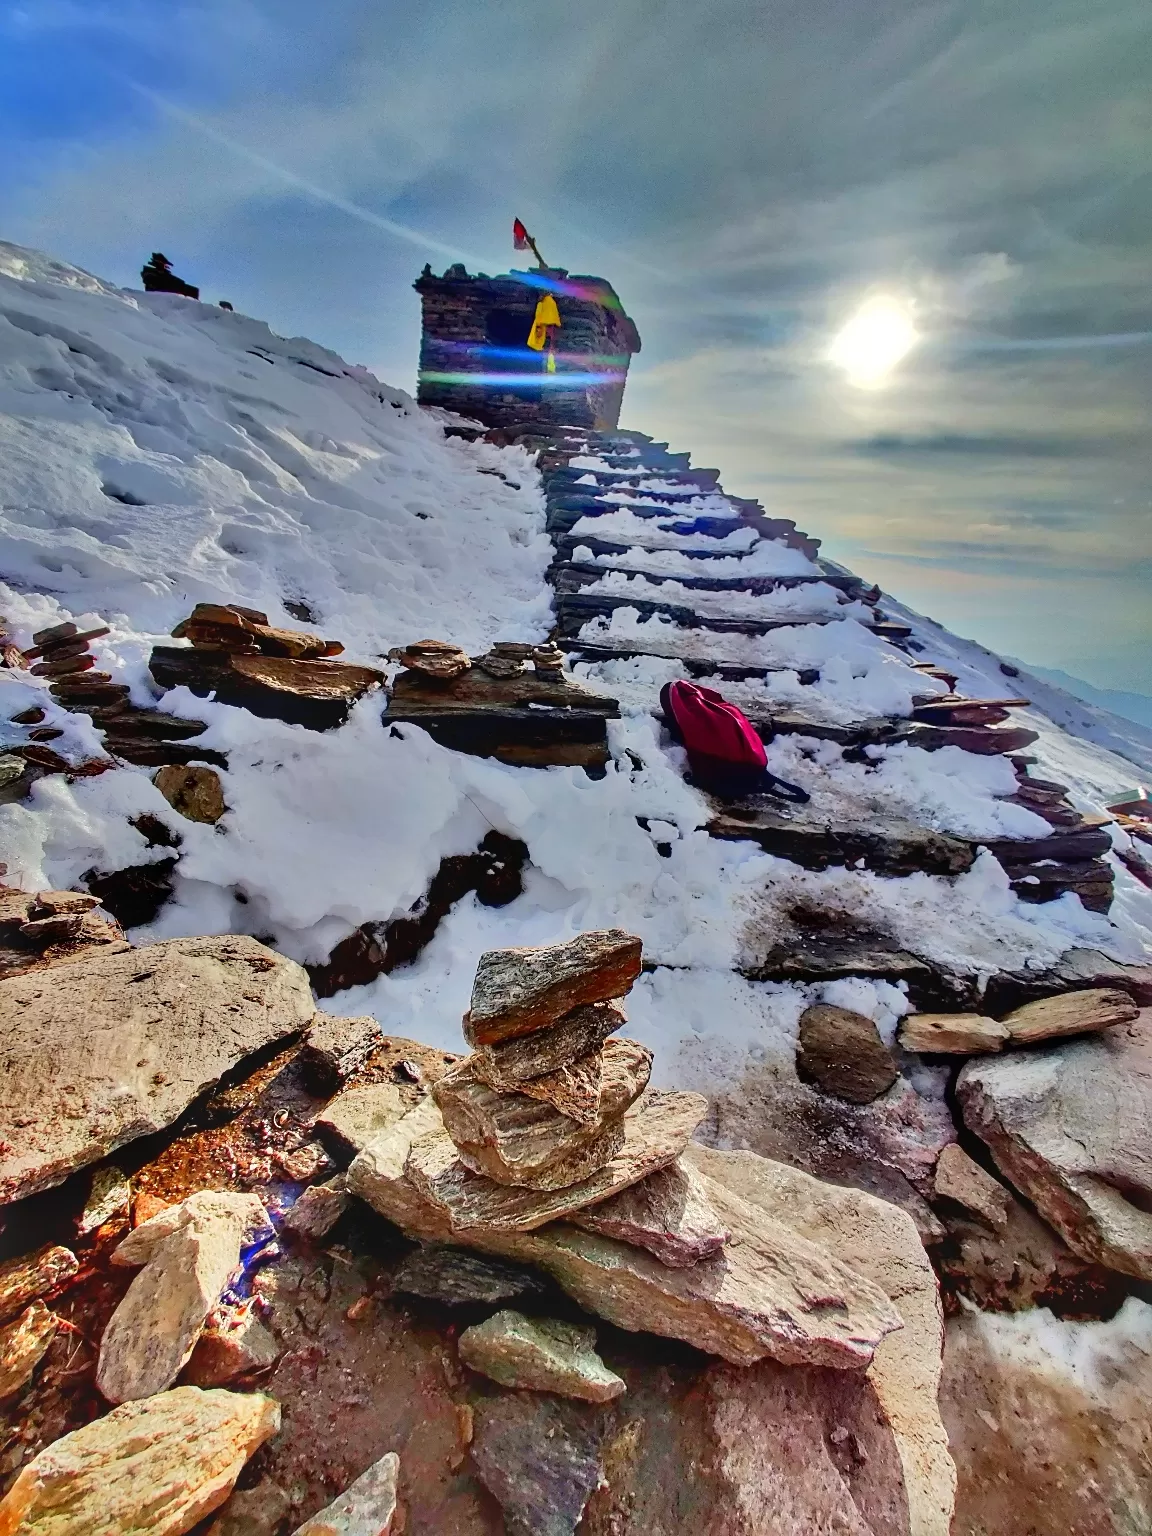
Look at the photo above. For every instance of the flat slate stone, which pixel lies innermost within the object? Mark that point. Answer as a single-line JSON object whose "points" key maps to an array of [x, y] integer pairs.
{"points": [[542, 1354], [459, 1277], [656, 1130], [952, 1034], [318, 1209], [34, 1275], [509, 1063], [1073, 1013], [539, 1457], [366, 1508], [358, 1115], [115, 1046], [518, 990], [886, 844], [961, 1179], [668, 1213], [23, 1344]]}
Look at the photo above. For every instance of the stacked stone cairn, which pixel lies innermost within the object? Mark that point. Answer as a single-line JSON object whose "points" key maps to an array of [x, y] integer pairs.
{"points": [[241, 631]]}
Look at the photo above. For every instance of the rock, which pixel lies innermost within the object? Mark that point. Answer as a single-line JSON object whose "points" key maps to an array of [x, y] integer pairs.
{"points": [[115, 1046], [1021, 1266], [519, 1140], [539, 1458], [1073, 1013], [961, 1179], [23, 1345], [542, 1354], [367, 1508], [509, 1063], [35, 1275], [109, 1196], [574, 1090], [260, 1511], [189, 1252], [175, 1456], [234, 1344], [656, 1131], [436, 658], [195, 792], [440, 1272], [667, 1213], [318, 1209], [1071, 1128], [842, 1053], [358, 1115], [336, 1048], [519, 990], [316, 694], [377, 1175], [958, 1034], [878, 1241]]}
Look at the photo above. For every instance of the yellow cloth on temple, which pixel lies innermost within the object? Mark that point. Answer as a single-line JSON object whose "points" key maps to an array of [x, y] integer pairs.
{"points": [[546, 314]]}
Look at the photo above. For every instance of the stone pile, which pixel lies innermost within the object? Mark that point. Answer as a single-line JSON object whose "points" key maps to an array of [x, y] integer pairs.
{"points": [[52, 928], [279, 674]]}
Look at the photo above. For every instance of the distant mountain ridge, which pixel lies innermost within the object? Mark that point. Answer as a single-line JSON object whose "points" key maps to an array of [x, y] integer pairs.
{"points": [[1133, 706]]}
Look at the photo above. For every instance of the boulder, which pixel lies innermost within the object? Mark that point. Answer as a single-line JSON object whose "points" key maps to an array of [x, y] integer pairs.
{"points": [[960, 1179], [316, 694], [194, 791], [509, 1063], [540, 1459], [358, 1115], [519, 990], [318, 1209], [260, 1511], [367, 1508], [879, 1242], [1071, 1128], [520, 1140], [36, 1274], [115, 1046], [954, 1034], [189, 1252], [175, 1456], [843, 1054], [542, 1354], [233, 1345], [336, 1048], [457, 1277], [23, 1344], [668, 1213], [1071, 1013], [655, 1132]]}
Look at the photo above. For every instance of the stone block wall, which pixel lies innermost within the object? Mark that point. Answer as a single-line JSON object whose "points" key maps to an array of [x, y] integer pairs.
{"points": [[474, 356]]}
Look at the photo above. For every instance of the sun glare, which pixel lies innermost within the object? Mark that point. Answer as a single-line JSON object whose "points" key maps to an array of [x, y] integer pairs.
{"points": [[877, 337]]}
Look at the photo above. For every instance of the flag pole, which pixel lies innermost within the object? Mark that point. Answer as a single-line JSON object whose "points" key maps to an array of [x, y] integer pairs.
{"points": [[542, 265]]}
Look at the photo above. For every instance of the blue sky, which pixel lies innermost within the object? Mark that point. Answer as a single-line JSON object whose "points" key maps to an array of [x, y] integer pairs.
{"points": [[747, 173]]}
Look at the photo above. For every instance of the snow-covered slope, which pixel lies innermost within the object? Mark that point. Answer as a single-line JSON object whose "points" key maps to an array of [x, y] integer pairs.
{"points": [[156, 452]]}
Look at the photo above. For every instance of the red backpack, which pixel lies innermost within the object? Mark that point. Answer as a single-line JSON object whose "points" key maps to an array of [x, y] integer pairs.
{"points": [[725, 752]]}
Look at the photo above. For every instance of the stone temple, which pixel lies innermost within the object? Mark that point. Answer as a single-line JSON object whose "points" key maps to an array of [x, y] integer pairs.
{"points": [[474, 356]]}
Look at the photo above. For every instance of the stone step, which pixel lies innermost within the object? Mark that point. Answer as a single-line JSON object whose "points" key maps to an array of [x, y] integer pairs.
{"points": [[568, 543], [564, 514], [571, 576], [575, 609], [886, 844], [695, 666]]}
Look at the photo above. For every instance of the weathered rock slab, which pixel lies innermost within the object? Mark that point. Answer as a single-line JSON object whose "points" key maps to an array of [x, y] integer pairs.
{"points": [[539, 1458], [656, 1130], [189, 1252], [337, 1047], [541, 1354], [115, 1046], [842, 1053], [519, 990], [358, 1115], [195, 792], [1071, 1128], [367, 1508], [668, 1213], [23, 1344], [378, 1178], [235, 1344], [959, 1178], [109, 1196], [32, 1276], [1070, 1013], [318, 1209], [955, 1034], [176, 1456], [509, 1063], [458, 1277]]}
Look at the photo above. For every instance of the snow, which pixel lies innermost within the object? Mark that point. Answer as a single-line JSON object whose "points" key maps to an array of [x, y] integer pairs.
{"points": [[156, 452], [812, 599]]}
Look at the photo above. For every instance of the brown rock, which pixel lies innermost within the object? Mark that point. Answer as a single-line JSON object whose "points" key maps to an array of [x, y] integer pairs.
{"points": [[842, 1053], [1072, 1013], [234, 1344], [519, 1140], [1071, 1128], [519, 990], [336, 1048], [377, 1175], [573, 1090], [957, 1034], [260, 1511], [656, 1131], [176, 1456], [458, 1277], [318, 1209], [961, 1179], [540, 1459], [114, 1046], [35, 1275], [510, 1063], [23, 1345], [358, 1115], [880, 1242], [195, 792], [542, 1354], [437, 658], [189, 1253], [367, 1508], [668, 1213]]}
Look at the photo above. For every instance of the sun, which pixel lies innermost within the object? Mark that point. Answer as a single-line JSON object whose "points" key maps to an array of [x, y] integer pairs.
{"points": [[874, 340]]}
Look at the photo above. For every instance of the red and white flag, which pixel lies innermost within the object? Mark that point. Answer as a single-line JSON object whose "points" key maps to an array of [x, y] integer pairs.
{"points": [[520, 236]]}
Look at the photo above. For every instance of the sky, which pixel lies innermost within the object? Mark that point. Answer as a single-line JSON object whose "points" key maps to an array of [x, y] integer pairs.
{"points": [[751, 175]]}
